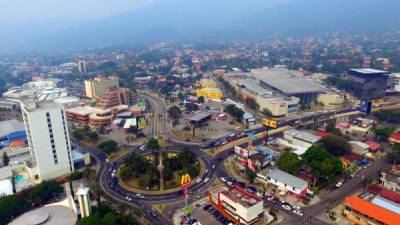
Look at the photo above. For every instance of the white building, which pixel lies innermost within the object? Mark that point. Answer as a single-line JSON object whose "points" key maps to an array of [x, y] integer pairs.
{"points": [[298, 140], [99, 86], [395, 81], [84, 201], [237, 205], [48, 138], [285, 182]]}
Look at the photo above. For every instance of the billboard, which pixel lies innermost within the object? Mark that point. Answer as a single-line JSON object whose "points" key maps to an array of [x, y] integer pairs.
{"points": [[270, 123], [366, 107]]}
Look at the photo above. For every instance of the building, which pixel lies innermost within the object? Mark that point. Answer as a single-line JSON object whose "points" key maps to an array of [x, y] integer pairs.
{"points": [[359, 147], [114, 97], [199, 118], [82, 67], [357, 129], [286, 82], [208, 83], [42, 90], [237, 205], [331, 100], [99, 86], [11, 131], [84, 202], [94, 116], [364, 212], [48, 138], [390, 178], [285, 182], [211, 93], [278, 105], [298, 140], [367, 84], [395, 82], [46, 215], [254, 158]]}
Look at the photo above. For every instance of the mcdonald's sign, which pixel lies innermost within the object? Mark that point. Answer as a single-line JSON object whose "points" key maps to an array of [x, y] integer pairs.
{"points": [[270, 123], [185, 180]]}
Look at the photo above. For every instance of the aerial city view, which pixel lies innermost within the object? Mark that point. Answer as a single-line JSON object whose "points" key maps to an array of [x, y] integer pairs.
{"points": [[184, 112]]}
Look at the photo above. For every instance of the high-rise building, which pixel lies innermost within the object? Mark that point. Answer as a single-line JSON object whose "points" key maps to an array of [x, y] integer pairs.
{"points": [[48, 139], [114, 97], [84, 201], [82, 67], [367, 84], [99, 86]]}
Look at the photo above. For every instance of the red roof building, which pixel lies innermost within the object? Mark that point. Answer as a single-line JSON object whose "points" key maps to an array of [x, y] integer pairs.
{"points": [[395, 138], [361, 211], [373, 146]]}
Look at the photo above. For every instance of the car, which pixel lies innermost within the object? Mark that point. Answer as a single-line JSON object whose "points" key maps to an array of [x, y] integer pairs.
{"points": [[206, 180], [339, 184], [128, 198], [287, 207], [222, 179], [213, 166], [206, 171], [153, 214], [142, 148], [296, 207], [206, 207], [273, 199], [241, 184], [107, 160], [198, 181], [139, 195], [229, 183], [251, 189], [298, 212], [113, 174]]}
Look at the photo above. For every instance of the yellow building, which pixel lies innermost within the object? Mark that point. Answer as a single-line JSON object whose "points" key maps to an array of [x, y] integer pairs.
{"points": [[99, 86], [211, 93], [208, 83]]}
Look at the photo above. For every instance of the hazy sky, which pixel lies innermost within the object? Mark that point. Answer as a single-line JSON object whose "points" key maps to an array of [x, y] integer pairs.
{"points": [[32, 10]]}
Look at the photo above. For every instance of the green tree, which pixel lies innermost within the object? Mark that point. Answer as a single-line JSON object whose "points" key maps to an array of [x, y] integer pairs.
{"points": [[6, 160], [384, 133], [331, 128], [394, 155], [175, 112], [336, 145], [108, 146], [251, 175], [110, 218], [251, 103], [77, 134], [152, 143], [200, 100], [92, 136], [266, 112], [133, 130], [289, 162], [235, 112]]}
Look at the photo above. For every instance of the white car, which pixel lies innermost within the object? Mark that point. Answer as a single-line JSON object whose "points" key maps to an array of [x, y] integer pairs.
{"points": [[128, 198], [142, 148], [198, 181], [213, 166], [222, 179], [107, 160], [139, 195], [229, 183], [206, 180], [296, 207], [287, 207], [298, 212], [206, 171]]}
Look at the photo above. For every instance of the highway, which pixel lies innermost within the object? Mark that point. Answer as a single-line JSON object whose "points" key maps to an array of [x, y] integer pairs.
{"points": [[158, 128]]}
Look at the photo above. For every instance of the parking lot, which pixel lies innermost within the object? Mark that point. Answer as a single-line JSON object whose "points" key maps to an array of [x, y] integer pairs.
{"points": [[208, 217]]}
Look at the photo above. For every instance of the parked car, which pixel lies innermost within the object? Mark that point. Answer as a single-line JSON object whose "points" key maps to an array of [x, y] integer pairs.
{"points": [[198, 181], [222, 179], [206, 180]]}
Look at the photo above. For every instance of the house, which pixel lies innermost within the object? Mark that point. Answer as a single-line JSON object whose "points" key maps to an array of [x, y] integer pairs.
{"points": [[373, 149], [391, 178], [255, 158], [359, 147], [298, 140], [394, 138], [285, 182]]}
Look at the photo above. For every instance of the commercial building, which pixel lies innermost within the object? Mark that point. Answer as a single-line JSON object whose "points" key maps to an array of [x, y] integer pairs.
{"points": [[11, 131], [199, 118], [288, 83], [255, 158], [93, 116], [48, 138], [84, 202], [300, 141], [42, 90], [237, 205], [114, 97], [395, 82], [278, 105], [357, 128], [364, 212], [99, 86], [210, 93], [208, 83], [367, 84], [82, 67], [285, 182], [390, 178]]}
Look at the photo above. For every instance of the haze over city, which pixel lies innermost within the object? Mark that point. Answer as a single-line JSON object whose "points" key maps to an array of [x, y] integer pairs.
{"points": [[211, 112]]}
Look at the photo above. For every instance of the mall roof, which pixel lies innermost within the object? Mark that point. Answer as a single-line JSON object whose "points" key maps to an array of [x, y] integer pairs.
{"points": [[287, 81], [368, 71], [373, 211], [10, 126]]}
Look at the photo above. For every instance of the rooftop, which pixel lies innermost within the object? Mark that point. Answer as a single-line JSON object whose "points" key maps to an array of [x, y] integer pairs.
{"points": [[302, 135], [373, 211], [368, 71], [287, 81], [199, 116], [10, 126], [47, 215], [286, 178], [242, 197], [387, 204]]}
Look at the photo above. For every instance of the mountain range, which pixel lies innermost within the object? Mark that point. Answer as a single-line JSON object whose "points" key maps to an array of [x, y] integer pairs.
{"points": [[205, 20]]}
